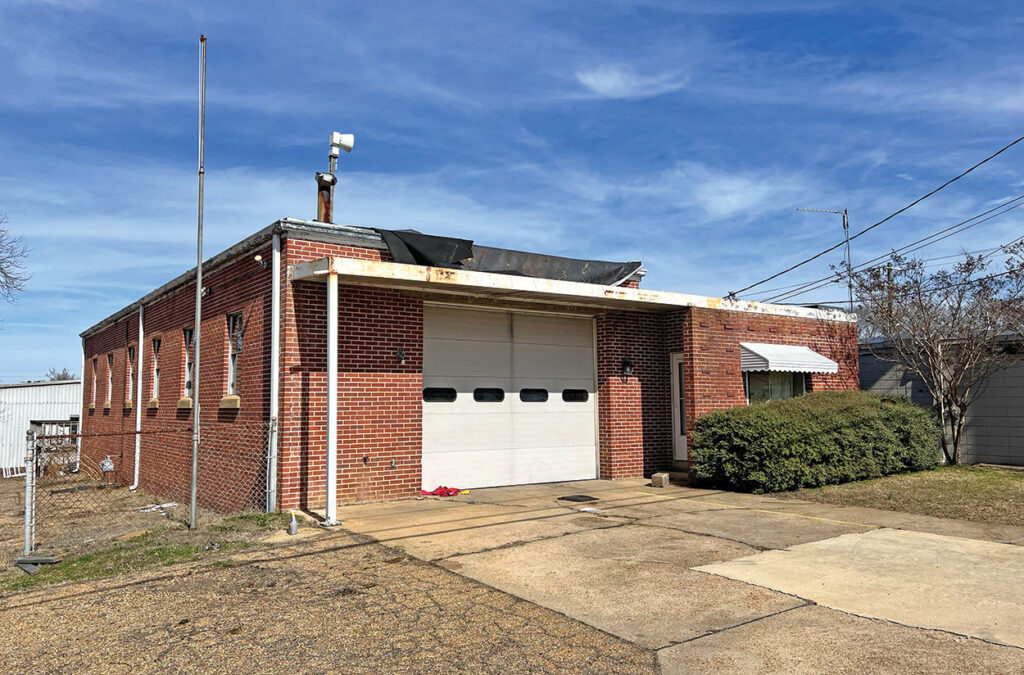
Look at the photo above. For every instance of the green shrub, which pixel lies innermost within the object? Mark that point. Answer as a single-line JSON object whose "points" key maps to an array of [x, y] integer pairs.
{"points": [[818, 439]]}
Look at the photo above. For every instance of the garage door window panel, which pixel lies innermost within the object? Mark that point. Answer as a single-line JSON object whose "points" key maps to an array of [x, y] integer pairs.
{"points": [[440, 394], [488, 395]]}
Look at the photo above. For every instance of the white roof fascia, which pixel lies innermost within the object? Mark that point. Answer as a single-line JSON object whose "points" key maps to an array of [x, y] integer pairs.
{"points": [[503, 286], [756, 356]]}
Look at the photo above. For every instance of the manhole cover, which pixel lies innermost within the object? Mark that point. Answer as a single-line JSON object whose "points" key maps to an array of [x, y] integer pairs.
{"points": [[578, 498]]}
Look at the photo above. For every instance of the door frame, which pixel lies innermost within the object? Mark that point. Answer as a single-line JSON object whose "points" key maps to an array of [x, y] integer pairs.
{"points": [[677, 378]]}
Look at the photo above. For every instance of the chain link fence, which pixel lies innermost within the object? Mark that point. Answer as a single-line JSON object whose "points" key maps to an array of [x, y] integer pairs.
{"points": [[83, 489]]}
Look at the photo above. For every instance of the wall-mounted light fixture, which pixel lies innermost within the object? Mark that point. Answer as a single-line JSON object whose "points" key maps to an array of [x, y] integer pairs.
{"points": [[400, 355], [627, 367], [260, 261]]}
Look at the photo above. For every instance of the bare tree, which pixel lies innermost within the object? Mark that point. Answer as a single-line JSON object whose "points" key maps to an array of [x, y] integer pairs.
{"points": [[54, 375], [952, 328], [12, 261]]}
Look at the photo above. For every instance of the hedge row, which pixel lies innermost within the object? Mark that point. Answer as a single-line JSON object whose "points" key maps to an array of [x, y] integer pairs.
{"points": [[818, 439]]}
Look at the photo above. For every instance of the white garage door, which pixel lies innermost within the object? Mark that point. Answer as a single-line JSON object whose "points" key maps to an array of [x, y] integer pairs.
{"points": [[508, 398]]}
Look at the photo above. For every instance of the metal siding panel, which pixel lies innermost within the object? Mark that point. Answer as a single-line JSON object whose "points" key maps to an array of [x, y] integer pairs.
{"points": [[21, 404], [784, 358]]}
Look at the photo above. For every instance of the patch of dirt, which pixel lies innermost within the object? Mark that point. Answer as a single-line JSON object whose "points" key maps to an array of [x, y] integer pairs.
{"points": [[336, 602], [978, 494], [76, 514]]}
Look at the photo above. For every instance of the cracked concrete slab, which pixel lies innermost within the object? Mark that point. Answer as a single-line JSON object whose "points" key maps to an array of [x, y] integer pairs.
{"points": [[756, 528], [431, 532], [631, 581], [814, 640], [964, 586]]}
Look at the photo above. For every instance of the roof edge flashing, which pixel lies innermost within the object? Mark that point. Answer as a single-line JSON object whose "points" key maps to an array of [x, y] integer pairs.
{"points": [[520, 288]]}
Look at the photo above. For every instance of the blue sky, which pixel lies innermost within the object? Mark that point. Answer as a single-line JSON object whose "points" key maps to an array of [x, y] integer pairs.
{"points": [[681, 134]]}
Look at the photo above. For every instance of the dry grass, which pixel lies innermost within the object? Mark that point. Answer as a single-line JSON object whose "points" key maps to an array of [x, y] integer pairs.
{"points": [[165, 544], [978, 494]]}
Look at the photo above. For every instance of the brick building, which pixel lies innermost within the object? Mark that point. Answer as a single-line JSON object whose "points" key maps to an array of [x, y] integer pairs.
{"points": [[401, 375]]}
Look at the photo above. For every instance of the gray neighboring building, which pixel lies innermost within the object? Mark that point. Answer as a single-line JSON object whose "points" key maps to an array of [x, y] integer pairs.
{"points": [[994, 430]]}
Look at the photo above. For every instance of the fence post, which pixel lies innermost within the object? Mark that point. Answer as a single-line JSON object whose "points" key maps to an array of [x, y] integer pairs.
{"points": [[30, 493], [272, 466]]}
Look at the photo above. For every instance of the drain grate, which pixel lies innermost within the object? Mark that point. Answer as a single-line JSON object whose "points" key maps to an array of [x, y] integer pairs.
{"points": [[577, 498]]}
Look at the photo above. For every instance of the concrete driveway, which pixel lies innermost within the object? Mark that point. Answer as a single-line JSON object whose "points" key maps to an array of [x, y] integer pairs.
{"points": [[724, 581]]}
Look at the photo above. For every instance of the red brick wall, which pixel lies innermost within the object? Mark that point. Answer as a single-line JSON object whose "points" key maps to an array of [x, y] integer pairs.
{"points": [[379, 399], [634, 434], [714, 378], [233, 446], [635, 413], [115, 420]]}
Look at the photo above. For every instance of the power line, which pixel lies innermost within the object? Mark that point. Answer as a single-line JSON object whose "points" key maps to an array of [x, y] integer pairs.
{"points": [[927, 290], [935, 237], [867, 265], [988, 254], [883, 220]]}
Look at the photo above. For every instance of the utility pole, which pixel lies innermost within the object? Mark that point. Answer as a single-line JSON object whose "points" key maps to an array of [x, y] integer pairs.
{"points": [[197, 329], [846, 233]]}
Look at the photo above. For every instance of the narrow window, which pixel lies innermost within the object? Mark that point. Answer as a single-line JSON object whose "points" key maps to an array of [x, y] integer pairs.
{"points": [[488, 395], [189, 334], [93, 387], [439, 394], [129, 375], [575, 395], [533, 395], [110, 377], [234, 349], [156, 367]]}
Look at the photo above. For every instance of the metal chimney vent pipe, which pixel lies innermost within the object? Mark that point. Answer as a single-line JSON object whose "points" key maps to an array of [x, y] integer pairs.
{"points": [[325, 182]]}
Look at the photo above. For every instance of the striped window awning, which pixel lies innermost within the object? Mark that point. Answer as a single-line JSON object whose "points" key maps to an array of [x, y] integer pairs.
{"points": [[755, 356]]}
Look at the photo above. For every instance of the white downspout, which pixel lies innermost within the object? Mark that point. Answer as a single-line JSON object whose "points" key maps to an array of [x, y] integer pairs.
{"points": [[275, 370], [331, 508], [138, 401], [81, 416]]}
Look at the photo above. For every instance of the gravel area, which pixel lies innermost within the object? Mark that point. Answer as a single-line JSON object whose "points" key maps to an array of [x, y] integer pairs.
{"points": [[332, 603]]}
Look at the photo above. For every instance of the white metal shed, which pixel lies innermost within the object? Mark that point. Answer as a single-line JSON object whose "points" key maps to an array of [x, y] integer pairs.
{"points": [[20, 403]]}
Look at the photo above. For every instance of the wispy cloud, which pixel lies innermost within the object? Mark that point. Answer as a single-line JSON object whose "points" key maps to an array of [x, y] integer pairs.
{"points": [[621, 80], [679, 133]]}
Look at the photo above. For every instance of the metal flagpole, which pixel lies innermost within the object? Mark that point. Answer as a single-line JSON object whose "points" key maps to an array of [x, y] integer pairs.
{"points": [[197, 326]]}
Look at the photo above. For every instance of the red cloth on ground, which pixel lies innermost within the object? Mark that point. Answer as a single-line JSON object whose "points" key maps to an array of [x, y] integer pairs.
{"points": [[442, 492]]}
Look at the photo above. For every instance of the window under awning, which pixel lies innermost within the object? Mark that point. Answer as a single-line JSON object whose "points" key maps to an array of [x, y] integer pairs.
{"points": [[755, 356]]}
